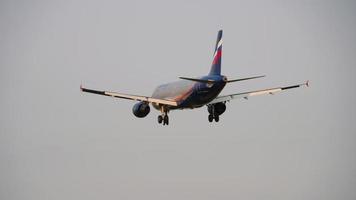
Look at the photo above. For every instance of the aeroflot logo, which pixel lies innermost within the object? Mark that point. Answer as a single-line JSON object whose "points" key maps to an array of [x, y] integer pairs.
{"points": [[217, 48], [217, 53]]}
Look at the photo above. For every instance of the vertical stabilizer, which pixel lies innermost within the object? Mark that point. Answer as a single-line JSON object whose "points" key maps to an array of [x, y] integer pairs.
{"points": [[216, 65]]}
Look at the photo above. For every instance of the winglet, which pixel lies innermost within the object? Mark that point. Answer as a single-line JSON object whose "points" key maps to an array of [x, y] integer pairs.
{"points": [[81, 87], [307, 83]]}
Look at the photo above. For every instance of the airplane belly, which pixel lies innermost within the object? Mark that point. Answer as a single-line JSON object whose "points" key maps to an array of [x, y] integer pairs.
{"points": [[202, 95], [188, 94]]}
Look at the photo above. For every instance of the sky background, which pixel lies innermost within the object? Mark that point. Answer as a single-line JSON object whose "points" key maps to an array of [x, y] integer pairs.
{"points": [[58, 143]]}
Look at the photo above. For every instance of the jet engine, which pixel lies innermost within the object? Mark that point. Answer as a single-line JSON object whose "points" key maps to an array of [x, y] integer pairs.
{"points": [[141, 109]]}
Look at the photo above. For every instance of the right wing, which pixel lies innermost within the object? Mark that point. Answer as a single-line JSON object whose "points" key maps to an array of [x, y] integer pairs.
{"points": [[131, 97], [246, 95]]}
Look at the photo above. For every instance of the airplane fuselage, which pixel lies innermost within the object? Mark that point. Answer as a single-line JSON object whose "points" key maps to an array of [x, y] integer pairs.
{"points": [[190, 94]]}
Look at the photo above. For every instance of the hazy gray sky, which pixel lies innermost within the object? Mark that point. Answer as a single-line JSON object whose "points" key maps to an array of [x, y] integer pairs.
{"points": [[57, 143]]}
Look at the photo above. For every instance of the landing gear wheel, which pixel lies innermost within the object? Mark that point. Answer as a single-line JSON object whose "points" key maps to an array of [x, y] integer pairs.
{"points": [[210, 109], [160, 119], [210, 118], [216, 118], [165, 120]]}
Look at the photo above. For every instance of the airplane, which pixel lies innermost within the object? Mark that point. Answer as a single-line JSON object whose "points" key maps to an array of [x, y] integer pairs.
{"points": [[190, 93]]}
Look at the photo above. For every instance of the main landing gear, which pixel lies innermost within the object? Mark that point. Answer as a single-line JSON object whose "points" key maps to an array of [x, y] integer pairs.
{"points": [[215, 110], [163, 118], [211, 117]]}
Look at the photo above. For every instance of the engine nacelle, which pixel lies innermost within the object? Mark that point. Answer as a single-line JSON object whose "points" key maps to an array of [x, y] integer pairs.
{"points": [[141, 109], [219, 108]]}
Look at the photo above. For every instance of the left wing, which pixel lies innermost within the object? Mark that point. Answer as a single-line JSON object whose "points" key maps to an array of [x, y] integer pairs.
{"points": [[131, 97], [246, 95]]}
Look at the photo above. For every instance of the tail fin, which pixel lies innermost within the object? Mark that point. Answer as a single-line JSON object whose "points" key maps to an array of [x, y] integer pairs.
{"points": [[216, 65]]}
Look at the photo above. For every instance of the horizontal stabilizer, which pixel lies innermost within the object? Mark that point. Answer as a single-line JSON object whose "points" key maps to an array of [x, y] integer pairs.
{"points": [[226, 81], [244, 79], [197, 80]]}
